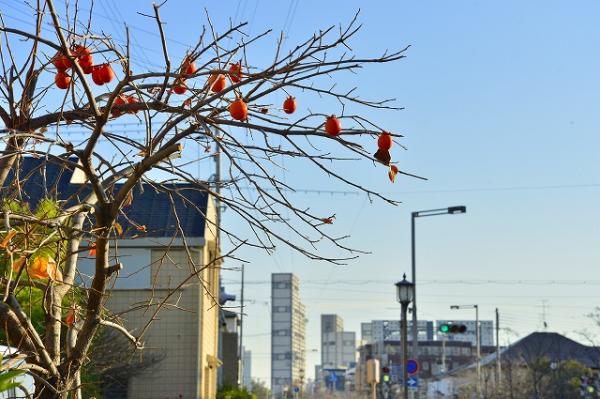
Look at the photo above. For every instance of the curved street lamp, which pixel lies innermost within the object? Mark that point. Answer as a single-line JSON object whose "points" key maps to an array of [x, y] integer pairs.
{"points": [[452, 210]]}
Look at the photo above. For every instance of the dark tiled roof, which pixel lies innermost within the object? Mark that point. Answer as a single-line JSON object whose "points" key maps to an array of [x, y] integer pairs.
{"points": [[151, 207], [554, 347]]}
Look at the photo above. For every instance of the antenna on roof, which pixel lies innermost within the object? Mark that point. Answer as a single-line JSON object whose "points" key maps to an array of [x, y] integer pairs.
{"points": [[544, 323]]}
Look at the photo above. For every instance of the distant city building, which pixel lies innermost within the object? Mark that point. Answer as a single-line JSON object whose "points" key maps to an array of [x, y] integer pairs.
{"points": [[288, 320], [487, 332], [365, 332], [247, 369], [338, 349], [330, 323], [385, 329]]}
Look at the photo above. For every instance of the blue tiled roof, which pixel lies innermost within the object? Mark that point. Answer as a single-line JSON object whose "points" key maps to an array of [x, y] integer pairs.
{"points": [[150, 208]]}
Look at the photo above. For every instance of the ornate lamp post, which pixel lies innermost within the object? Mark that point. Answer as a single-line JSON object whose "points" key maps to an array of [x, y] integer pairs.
{"points": [[405, 291]]}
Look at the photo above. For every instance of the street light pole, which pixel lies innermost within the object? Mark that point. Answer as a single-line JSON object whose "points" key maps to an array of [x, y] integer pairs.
{"points": [[405, 294], [433, 212], [415, 331], [477, 343], [404, 311]]}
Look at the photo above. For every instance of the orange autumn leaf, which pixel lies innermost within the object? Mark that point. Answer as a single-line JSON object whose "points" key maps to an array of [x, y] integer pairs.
{"points": [[328, 220], [44, 267], [392, 173], [7, 238], [92, 246], [39, 268]]}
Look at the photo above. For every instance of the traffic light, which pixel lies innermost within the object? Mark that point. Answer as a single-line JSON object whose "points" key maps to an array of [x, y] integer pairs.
{"points": [[385, 372], [451, 328]]}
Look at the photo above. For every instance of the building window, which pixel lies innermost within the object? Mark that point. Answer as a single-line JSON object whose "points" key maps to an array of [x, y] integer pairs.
{"points": [[283, 285], [282, 309]]}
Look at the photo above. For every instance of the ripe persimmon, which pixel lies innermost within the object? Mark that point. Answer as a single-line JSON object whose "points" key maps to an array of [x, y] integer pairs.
{"points": [[333, 126]]}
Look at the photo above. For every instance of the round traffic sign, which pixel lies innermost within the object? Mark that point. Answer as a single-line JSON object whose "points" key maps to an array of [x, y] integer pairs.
{"points": [[412, 366]]}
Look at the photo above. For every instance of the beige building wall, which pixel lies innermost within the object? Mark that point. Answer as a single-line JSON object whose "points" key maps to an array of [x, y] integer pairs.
{"points": [[185, 331]]}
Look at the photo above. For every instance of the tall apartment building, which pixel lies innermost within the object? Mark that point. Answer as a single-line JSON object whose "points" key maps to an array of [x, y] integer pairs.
{"points": [[486, 326], [288, 363], [330, 323]]}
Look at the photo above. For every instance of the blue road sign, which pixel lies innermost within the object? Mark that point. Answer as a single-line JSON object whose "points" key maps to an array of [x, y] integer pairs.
{"points": [[412, 366], [296, 389], [412, 382]]}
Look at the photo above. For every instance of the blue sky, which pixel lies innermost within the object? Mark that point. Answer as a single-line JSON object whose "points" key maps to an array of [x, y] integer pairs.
{"points": [[500, 115]]}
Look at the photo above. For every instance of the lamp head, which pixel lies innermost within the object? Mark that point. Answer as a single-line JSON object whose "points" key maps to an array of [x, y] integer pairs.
{"points": [[453, 210], [405, 290]]}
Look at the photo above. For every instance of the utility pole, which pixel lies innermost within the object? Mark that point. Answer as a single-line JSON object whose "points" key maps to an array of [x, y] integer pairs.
{"points": [[415, 322], [444, 353], [498, 362], [218, 191], [478, 337], [241, 348]]}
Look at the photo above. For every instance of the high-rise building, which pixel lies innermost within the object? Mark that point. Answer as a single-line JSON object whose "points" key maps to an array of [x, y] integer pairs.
{"points": [[288, 363], [330, 323], [486, 328]]}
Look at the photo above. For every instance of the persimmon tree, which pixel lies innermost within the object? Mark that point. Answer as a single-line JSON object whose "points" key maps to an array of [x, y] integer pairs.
{"points": [[64, 73]]}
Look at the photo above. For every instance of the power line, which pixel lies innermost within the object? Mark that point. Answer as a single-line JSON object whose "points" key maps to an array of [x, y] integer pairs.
{"points": [[442, 281]]}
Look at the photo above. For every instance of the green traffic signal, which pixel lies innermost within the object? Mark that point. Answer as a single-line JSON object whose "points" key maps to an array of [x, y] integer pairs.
{"points": [[452, 328]]}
